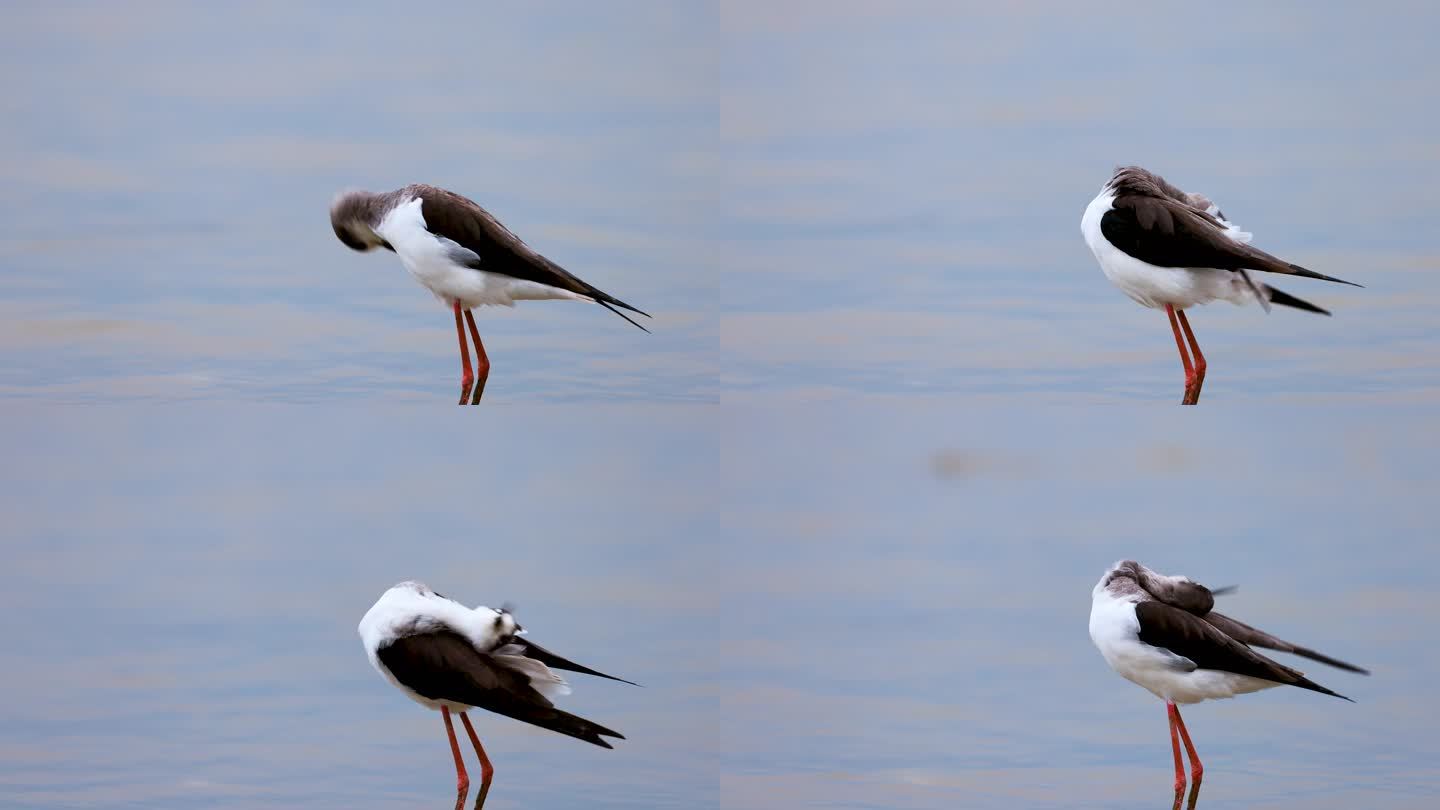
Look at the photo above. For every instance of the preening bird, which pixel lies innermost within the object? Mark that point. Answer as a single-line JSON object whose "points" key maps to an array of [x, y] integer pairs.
{"points": [[1162, 633], [448, 657], [463, 255], [1170, 250]]}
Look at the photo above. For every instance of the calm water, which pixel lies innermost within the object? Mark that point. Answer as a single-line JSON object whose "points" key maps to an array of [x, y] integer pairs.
{"points": [[839, 607], [840, 514], [184, 591], [815, 199]]}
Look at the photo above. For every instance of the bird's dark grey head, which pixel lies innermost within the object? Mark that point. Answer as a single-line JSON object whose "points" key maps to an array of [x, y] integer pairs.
{"points": [[354, 215], [1128, 577], [1135, 180], [1123, 577]]}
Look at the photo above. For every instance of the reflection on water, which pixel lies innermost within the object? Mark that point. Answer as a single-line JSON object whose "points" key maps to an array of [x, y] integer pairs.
{"points": [[825, 201], [1179, 795], [863, 583], [484, 791], [888, 609], [916, 587], [185, 586], [200, 166]]}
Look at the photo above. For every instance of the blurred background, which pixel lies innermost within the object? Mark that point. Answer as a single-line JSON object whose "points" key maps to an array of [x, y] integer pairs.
{"points": [[815, 199], [186, 586], [861, 605], [864, 580]]}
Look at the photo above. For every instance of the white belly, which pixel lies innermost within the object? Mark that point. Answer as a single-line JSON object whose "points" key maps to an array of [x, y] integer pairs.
{"points": [[451, 282], [429, 261], [1114, 629], [1152, 286]]}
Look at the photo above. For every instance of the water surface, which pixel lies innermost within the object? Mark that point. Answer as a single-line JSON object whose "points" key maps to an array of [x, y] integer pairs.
{"points": [[840, 514], [815, 199]]}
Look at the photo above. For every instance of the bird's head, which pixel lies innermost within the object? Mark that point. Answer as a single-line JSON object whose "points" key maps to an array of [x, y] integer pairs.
{"points": [[1124, 575], [354, 215], [1128, 577], [504, 625]]}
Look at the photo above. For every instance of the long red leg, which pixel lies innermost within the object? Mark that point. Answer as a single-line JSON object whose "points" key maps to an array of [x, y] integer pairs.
{"points": [[1195, 352], [467, 376], [482, 361], [1184, 356], [462, 779], [486, 770], [1174, 715], [1196, 769]]}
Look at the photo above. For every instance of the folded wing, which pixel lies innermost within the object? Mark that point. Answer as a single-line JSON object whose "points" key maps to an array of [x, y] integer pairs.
{"points": [[444, 665], [1245, 634], [1191, 637], [490, 246], [1168, 233]]}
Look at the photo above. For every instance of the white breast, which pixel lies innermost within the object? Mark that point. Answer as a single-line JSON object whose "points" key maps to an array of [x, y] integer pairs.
{"points": [[429, 260]]}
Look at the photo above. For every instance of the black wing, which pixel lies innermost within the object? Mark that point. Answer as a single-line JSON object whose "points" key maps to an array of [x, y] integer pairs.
{"points": [[1286, 299], [1245, 634], [1191, 637], [496, 250], [1167, 233], [532, 650], [444, 665]]}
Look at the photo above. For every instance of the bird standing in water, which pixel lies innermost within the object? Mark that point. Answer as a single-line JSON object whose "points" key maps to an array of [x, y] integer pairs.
{"points": [[463, 255], [449, 658], [1161, 633], [1170, 250]]}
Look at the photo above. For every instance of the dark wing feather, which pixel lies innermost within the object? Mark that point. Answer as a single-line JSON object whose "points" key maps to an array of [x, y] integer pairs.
{"points": [[444, 665], [1245, 634], [1168, 233], [1191, 637], [1286, 299], [532, 650], [465, 223]]}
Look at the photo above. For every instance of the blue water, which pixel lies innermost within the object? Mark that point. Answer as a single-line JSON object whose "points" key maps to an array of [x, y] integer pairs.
{"points": [[842, 511]]}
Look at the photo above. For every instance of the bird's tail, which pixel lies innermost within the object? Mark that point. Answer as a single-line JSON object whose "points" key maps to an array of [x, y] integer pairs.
{"points": [[578, 727], [1285, 299], [1305, 683], [607, 305], [614, 304]]}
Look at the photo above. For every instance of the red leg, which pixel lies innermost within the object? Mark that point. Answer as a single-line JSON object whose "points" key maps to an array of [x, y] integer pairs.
{"points": [[1174, 715], [482, 361], [1194, 351], [1196, 769], [467, 377], [462, 780], [486, 770], [1184, 356]]}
